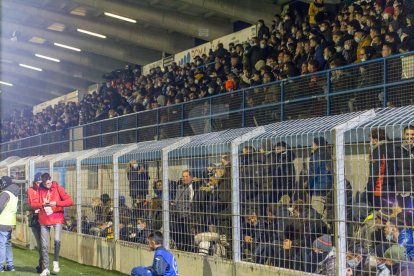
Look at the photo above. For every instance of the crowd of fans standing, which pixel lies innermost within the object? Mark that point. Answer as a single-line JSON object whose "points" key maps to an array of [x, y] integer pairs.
{"points": [[294, 44]]}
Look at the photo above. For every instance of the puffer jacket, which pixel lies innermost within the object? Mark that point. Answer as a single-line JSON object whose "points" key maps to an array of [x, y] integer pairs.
{"points": [[56, 193]]}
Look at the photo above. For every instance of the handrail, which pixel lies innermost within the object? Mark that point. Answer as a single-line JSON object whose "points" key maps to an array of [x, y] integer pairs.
{"points": [[215, 99]]}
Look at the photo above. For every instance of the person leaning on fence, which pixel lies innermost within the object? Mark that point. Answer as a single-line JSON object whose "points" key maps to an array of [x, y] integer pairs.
{"points": [[51, 200], [164, 262], [320, 174], [32, 194], [8, 209]]}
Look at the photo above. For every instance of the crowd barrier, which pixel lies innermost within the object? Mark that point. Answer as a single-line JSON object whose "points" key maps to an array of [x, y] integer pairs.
{"points": [[277, 197], [384, 82]]}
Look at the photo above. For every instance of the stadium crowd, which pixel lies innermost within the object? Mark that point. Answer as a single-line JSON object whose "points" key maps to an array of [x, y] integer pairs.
{"points": [[295, 44], [287, 208]]}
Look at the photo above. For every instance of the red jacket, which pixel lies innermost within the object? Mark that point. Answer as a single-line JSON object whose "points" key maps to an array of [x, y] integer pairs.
{"points": [[36, 196]]}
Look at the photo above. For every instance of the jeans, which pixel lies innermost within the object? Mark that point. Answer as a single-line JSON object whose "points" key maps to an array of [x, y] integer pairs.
{"points": [[36, 234], [44, 240], [141, 271], [6, 253]]}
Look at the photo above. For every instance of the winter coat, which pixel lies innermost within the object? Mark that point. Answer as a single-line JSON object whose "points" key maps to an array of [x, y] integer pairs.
{"points": [[406, 239], [56, 193], [283, 171], [253, 176], [327, 266], [184, 200], [405, 168], [138, 183], [4, 199], [381, 172], [320, 172]]}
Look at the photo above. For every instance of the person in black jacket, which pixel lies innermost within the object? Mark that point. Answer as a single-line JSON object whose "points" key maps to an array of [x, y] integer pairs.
{"points": [[138, 179], [381, 170], [282, 170], [263, 30], [405, 169]]}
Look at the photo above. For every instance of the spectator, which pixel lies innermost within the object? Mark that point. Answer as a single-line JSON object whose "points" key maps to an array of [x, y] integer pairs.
{"points": [[397, 232], [8, 209], [282, 171], [315, 7], [138, 179], [326, 256], [51, 200], [253, 236], [164, 261], [263, 30], [363, 40], [380, 181], [320, 174], [70, 225], [404, 173], [181, 212], [34, 220]]}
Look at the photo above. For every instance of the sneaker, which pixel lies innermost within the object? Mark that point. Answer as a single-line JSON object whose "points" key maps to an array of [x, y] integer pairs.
{"points": [[45, 272], [56, 268], [10, 268]]}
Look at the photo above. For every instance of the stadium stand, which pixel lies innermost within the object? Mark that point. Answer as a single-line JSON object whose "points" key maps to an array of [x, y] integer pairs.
{"points": [[295, 44]]}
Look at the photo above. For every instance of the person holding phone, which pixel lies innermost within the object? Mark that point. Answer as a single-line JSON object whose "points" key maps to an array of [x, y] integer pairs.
{"points": [[51, 200]]}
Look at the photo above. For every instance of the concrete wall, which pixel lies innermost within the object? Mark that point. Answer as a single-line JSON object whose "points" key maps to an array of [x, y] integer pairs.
{"points": [[123, 256]]}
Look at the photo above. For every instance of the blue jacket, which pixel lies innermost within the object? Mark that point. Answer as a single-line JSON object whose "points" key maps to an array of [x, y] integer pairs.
{"points": [[320, 172], [405, 239], [164, 263]]}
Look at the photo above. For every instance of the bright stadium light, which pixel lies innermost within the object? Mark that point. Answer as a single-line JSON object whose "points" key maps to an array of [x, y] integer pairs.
{"points": [[48, 58], [120, 17], [91, 33], [6, 83], [30, 67], [67, 47]]}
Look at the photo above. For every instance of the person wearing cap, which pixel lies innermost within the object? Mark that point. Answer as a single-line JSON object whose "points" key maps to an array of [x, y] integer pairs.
{"points": [[8, 209], [320, 174], [32, 194], [325, 255], [389, 259], [398, 232], [51, 199]]}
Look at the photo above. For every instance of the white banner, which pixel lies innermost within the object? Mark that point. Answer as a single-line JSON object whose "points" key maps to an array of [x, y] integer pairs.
{"points": [[188, 55], [237, 37]]}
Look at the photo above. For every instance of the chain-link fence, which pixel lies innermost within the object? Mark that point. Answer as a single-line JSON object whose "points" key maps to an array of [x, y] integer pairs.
{"points": [[322, 195]]}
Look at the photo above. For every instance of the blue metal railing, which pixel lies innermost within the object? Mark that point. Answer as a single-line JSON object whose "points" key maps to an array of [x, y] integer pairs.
{"points": [[317, 94]]}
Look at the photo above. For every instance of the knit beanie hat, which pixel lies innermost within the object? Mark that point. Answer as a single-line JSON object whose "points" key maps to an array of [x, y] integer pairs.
{"points": [[323, 243], [389, 10], [396, 253]]}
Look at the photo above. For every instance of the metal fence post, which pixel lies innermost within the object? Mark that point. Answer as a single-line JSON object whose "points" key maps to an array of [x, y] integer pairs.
{"points": [[115, 163], [243, 124], [166, 190], [385, 75], [282, 98], [236, 188], [182, 120], [78, 201], [340, 191], [328, 92]]}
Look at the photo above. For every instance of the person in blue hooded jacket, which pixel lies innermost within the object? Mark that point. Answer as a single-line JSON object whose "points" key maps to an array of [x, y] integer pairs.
{"points": [[320, 174], [164, 262]]}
